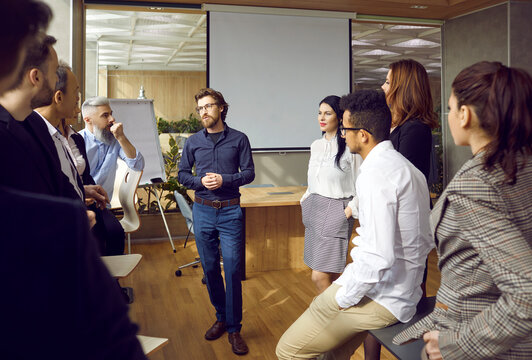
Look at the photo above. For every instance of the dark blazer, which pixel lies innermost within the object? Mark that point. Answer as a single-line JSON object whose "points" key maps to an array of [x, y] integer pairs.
{"points": [[80, 143], [413, 140], [28, 158], [58, 299], [483, 236]]}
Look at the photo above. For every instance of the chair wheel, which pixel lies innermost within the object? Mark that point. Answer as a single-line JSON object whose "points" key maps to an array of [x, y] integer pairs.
{"points": [[178, 273], [195, 266], [203, 280]]}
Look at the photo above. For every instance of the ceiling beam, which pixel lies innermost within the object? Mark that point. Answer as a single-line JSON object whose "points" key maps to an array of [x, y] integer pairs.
{"points": [[198, 24], [167, 39]]}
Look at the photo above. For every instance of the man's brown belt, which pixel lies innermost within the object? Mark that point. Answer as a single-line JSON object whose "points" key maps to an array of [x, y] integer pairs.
{"points": [[217, 204]]}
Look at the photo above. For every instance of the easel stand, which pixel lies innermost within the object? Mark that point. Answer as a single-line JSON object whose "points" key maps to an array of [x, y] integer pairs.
{"points": [[155, 187]]}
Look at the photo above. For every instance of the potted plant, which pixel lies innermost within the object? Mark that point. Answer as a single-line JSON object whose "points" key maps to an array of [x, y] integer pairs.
{"points": [[180, 130]]}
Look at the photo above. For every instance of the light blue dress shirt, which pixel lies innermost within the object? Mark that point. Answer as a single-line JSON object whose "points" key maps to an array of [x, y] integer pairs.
{"points": [[102, 160]]}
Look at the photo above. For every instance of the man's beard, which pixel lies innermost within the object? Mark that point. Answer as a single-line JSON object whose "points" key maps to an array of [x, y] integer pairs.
{"points": [[104, 135], [44, 97], [209, 122]]}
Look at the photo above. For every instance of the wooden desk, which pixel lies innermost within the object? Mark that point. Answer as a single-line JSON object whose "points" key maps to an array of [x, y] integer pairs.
{"points": [[275, 234]]}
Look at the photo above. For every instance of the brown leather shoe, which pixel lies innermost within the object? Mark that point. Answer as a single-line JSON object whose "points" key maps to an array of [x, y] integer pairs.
{"points": [[238, 345], [215, 331]]}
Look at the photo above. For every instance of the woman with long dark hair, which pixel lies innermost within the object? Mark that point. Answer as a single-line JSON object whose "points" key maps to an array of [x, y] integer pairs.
{"points": [[326, 205], [482, 224]]}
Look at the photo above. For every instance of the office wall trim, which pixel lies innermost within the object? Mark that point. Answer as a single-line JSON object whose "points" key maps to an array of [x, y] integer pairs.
{"points": [[278, 11], [398, 20], [164, 5]]}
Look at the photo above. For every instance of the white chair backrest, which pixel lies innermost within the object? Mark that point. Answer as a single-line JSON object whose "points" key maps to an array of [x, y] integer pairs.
{"points": [[121, 168], [185, 209], [126, 195]]}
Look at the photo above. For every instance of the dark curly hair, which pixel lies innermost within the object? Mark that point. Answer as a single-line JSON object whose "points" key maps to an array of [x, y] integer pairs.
{"points": [[370, 111], [220, 101]]}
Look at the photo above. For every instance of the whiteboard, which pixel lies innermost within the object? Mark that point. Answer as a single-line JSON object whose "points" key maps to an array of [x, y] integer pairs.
{"points": [[140, 127], [273, 71]]}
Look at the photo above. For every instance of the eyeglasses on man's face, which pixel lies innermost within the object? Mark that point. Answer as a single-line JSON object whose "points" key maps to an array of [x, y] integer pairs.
{"points": [[343, 129], [205, 107]]}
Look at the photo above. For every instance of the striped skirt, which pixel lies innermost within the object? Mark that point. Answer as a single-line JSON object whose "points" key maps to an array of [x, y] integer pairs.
{"points": [[327, 233]]}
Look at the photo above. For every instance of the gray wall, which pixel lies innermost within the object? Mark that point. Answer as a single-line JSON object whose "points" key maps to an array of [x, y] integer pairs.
{"points": [[501, 33], [465, 41], [521, 35]]}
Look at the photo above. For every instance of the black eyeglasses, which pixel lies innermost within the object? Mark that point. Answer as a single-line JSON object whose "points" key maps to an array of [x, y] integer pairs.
{"points": [[343, 130], [205, 107]]}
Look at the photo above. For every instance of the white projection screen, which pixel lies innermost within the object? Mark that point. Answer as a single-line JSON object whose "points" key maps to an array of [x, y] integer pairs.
{"points": [[273, 70]]}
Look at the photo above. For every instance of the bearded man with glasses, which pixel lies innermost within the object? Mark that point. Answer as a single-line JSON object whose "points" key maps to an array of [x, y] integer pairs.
{"points": [[222, 156]]}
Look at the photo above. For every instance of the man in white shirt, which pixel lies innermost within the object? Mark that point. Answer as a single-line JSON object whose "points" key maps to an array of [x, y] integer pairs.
{"points": [[382, 284]]}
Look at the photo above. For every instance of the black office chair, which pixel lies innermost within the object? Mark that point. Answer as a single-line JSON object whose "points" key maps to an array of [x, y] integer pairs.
{"points": [[411, 350]]}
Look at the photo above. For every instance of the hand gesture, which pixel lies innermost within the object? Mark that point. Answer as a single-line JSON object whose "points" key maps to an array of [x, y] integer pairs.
{"points": [[212, 181], [348, 212], [432, 347], [117, 129], [97, 193]]}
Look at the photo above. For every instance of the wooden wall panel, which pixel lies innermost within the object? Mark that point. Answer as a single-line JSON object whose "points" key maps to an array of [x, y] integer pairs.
{"points": [[275, 238], [173, 91]]}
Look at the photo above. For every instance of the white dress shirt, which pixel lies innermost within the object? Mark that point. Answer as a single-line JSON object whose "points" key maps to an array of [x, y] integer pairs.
{"points": [[324, 177], [394, 235], [65, 156], [78, 158]]}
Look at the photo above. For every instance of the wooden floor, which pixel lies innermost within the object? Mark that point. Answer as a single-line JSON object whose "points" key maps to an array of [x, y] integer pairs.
{"points": [[178, 308]]}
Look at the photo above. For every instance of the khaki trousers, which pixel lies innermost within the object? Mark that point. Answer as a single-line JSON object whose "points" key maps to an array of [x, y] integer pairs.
{"points": [[324, 329]]}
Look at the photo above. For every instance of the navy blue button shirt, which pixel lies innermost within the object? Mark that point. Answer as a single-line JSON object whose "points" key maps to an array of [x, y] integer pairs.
{"points": [[229, 157]]}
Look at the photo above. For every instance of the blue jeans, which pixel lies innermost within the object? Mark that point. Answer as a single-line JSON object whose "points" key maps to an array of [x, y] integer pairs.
{"points": [[216, 229]]}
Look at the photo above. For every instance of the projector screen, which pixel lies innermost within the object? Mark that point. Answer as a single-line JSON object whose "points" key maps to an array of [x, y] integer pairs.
{"points": [[273, 71]]}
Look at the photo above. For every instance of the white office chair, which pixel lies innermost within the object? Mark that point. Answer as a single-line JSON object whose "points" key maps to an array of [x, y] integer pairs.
{"points": [[120, 266], [150, 344], [126, 195], [186, 211]]}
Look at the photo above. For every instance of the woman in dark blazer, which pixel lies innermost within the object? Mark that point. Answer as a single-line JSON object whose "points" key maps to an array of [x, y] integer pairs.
{"points": [[482, 226], [407, 91]]}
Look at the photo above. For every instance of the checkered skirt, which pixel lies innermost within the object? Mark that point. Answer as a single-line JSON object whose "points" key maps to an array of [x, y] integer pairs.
{"points": [[327, 232]]}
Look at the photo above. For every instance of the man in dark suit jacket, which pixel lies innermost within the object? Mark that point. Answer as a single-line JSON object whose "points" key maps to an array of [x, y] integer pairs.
{"points": [[28, 157], [59, 300], [17, 145], [64, 104]]}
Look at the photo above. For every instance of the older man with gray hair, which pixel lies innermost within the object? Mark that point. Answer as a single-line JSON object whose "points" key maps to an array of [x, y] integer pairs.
{"points": [[105, 141]]}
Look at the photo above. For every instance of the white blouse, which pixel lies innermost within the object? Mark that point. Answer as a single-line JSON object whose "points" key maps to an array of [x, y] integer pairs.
{"points": [[325, 178]]}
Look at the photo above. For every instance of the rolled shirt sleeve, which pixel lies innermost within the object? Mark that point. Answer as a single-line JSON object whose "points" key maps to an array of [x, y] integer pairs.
{"points": [[136, 164]]}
